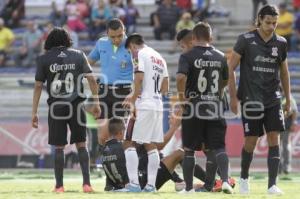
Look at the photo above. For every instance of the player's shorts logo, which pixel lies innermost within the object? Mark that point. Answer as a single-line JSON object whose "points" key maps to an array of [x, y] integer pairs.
{"points": [[247, 127], [274, 51]]}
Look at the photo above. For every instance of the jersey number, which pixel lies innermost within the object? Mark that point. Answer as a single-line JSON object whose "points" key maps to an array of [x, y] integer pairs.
{"points": [[115, 174], [56, 84], [202, 82], [156, 79]]}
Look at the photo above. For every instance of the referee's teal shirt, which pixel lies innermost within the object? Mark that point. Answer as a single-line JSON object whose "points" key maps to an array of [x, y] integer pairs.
{"points": [[116, 65]]}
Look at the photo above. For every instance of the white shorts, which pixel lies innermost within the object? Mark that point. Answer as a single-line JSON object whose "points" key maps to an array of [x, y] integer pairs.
{"points": [[148, 127]]}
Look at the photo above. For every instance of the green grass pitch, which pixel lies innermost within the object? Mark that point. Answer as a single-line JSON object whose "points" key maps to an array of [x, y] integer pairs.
{"points": [[38, 184]]}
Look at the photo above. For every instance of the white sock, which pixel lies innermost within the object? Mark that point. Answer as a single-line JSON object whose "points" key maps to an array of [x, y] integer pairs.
{"points": [[132, 163], [153, 165]]}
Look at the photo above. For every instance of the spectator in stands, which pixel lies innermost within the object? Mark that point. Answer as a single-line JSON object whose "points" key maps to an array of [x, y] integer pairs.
{"points": [[46, 30], [117, 9], [83, 8], [2, 6], [58, 16], [74, 20], [131, 14], [31, 46], [295, 39], [99, 16], [285, 23], [296, 4], [202, 10], [13, 12], [165, 19], [185, 5], [6, 39], [185, 22], [290, 122], [255, 4], [73, 35]]}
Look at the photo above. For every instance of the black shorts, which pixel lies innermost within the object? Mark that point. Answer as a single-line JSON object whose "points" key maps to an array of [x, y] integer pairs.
{"points": [[111, 98], [269, 119], [163, 175], [67, 115], [196, 132]]}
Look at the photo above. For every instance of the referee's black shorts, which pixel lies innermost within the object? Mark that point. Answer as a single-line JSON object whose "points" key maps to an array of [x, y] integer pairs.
{"points": [[111, 98]]}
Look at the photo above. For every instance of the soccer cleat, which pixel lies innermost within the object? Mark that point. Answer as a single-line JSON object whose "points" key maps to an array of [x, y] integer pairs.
{"points": [[244, 186], [218, 184], [59, 190], [274, 190], [179, 186], [226, 188], [231, 181], [87, 188], [201, 189], [130, 187], [187, 192], [149, 188]]}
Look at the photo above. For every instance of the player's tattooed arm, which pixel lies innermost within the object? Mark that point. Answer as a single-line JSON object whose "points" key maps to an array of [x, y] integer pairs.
{"points": [[38, 86]]}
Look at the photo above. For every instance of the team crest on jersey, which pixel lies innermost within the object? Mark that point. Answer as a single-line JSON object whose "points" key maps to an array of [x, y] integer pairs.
{"points": [[123, 64], [274, 51]]}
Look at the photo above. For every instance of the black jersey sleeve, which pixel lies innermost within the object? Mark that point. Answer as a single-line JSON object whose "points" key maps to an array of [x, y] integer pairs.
{"points": [[284, 52], [40, 74], [240, 45], [183, 65]]}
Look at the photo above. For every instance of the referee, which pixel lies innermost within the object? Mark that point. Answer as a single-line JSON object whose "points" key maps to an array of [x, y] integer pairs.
{"points": [[116, 72]]}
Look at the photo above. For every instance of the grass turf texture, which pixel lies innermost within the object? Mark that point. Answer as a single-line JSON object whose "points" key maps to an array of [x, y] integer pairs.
{"points": [[37, 184]]}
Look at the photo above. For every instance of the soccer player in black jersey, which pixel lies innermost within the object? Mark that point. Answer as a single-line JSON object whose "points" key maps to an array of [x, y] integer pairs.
{"points": [[262, 56], [114, 162], [185, 40], [202, 75], [63, 68]]}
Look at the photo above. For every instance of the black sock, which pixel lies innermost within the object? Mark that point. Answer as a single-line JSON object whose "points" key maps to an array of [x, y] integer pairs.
{"points": [[188, 169], [245, 163], [176, 178], [222, 162], [84, 161], [273, 164], [211, 168], [59, 162], [199, 173], [218, 172]]}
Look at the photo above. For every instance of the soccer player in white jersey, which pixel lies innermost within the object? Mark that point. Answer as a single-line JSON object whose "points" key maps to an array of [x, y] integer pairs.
{"points": [[150, 82]]}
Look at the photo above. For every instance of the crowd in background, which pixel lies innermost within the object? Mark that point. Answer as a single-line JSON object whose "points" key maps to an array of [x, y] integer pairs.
{"points": [[90, 16]]}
